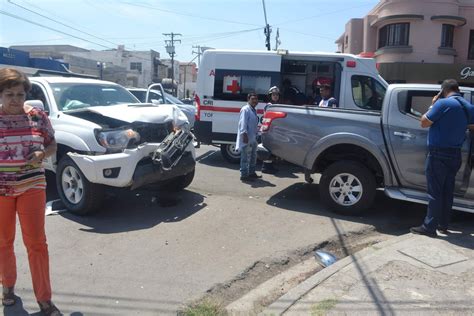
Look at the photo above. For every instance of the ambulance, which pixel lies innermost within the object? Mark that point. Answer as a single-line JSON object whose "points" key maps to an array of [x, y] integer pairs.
{"points": [[225, 77]]}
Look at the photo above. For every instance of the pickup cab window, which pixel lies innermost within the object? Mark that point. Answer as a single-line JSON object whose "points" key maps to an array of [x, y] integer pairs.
{"points": [[416, 103], [367, 92]]}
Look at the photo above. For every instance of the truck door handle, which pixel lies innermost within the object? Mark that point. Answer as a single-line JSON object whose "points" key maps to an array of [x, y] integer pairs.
{"points": [[404, 135]]}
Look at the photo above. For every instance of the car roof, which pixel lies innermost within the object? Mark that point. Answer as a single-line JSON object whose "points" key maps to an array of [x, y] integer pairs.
{"points": [[70, 80], [423, 86]]}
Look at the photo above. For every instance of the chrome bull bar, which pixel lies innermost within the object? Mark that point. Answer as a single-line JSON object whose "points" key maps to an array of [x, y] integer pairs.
{"points": [[172, 148]]}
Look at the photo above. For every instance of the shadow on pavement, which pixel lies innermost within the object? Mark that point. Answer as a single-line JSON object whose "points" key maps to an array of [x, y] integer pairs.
{"points": [[261, 183], [215, 159], [80, 303], [126, 210], [387, 215], [17, 309], [285, 169]]}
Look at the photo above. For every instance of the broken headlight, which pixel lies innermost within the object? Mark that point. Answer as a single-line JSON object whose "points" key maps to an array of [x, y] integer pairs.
{"points": [[117, 140]]}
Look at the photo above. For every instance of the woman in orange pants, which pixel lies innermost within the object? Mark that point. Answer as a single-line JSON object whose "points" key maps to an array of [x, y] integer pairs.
{"points": [[26, 138]]}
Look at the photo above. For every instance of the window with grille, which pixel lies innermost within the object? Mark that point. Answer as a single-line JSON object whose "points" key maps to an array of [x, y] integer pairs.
{"points": [[394, 35], [447, 36]]}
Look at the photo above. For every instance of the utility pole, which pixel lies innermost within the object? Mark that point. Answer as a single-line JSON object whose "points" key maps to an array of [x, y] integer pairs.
{"points": [[267, 30], [186, 70], [170, 49], [198, 53], [277, 39]]}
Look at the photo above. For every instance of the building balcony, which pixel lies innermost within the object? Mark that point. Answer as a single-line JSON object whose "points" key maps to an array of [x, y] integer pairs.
{"points": [[396, 18]]}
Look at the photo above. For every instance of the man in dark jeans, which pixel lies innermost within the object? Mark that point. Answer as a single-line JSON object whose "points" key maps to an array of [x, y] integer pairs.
{"points": [[448, 119]]}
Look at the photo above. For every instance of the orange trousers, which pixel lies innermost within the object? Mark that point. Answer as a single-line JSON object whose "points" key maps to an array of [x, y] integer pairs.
{"points": [[30, 207]]}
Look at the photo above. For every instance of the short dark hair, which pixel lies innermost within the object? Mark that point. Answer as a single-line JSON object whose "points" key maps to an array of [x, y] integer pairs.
{"points": [[251, 94], [450, 85], [325, 87], [10, 78]]}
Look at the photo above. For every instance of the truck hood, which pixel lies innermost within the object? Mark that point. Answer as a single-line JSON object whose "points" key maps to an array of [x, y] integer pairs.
{"points": [[138, 112]]}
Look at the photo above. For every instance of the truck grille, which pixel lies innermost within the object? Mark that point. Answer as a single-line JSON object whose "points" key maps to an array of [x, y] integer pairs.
{"points": [[153, 133]]}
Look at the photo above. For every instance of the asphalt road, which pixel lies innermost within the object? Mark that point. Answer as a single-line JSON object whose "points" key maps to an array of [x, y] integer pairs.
{"points": [[148, 254]]}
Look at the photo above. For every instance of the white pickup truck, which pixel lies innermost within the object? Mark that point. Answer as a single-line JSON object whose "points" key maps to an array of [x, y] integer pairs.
{"points": [[106, 137]]}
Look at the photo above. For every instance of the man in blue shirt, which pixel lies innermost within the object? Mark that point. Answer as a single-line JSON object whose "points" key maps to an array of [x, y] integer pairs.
{"points": [[448, 119], [247, 139]]}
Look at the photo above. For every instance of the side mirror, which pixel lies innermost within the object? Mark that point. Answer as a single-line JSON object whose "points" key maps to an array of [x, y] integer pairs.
{"points": [[155, 101], [36, 104]]}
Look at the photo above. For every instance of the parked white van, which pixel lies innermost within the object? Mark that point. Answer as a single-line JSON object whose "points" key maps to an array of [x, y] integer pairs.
{"points": [[225, 78]]}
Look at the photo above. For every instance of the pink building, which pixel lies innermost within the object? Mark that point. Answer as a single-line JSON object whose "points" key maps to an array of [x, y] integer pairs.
{"points": [[423, 41]]}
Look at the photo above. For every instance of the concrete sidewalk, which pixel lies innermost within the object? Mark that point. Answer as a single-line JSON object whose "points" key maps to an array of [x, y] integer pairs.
{"points": [[406, 275]]}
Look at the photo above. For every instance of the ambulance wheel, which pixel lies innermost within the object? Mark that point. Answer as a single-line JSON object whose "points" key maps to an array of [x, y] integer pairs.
{"points": [[230, 153]]}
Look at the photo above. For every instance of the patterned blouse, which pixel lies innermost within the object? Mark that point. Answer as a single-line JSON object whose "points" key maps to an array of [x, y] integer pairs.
{"points": [[21, 135]]}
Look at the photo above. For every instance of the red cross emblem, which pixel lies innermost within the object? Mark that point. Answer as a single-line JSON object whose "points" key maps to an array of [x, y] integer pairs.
{"points": [[234, 87]]}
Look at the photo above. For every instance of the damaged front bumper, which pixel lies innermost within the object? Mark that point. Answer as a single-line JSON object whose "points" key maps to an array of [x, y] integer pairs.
{"points": [[132, 167]]}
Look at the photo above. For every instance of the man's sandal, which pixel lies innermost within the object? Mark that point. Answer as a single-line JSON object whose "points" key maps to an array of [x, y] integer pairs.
{"points": [[49, 309], [8, 298]]}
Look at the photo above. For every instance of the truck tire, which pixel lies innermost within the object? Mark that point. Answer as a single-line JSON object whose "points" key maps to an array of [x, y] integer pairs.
{"points": [[230, 153], [180, 183], [80, 196], [347, 187]]}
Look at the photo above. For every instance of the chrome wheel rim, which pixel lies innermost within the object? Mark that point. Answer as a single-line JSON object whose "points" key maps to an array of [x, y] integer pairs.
{"points": [[72, 184], [345, 189]]}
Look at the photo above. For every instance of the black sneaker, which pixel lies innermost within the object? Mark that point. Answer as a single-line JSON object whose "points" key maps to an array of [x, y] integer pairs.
{"points": [[443, 231], [420, 230], [246, 179], [254, 176]]}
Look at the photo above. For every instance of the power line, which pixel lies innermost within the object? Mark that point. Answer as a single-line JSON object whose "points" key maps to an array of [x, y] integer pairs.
{"points": [[50, 28], [201, 37], [226, 36], [321, 14], [198, 53], [187, 14], [131, 53], [308, 34], [68, 34], [61, 23]]}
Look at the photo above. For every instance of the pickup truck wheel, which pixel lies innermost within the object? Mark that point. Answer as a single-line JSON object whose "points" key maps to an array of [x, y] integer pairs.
{"points": [[181, 182], [347, 187], [80, 196], [230, 153]]}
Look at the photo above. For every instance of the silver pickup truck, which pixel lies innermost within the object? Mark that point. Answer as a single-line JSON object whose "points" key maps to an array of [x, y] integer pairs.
{"points": [[359, 151]]}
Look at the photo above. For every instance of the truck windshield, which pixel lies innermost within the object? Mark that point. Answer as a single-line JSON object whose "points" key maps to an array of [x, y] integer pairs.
{"points": [[71, 96]]}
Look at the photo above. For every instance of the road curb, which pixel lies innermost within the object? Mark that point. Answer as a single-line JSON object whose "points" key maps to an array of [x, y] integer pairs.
{"points": [[281, 305]]}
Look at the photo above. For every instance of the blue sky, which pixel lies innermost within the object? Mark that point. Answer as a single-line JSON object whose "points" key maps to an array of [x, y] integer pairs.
{"points": [[138, 24]]}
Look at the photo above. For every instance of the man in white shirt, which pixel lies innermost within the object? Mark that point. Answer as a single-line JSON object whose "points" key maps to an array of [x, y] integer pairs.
{"points": [[247, 139]]}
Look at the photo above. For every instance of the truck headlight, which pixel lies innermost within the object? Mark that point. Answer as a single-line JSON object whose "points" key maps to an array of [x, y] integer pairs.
{"points": [[117, 140]]}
